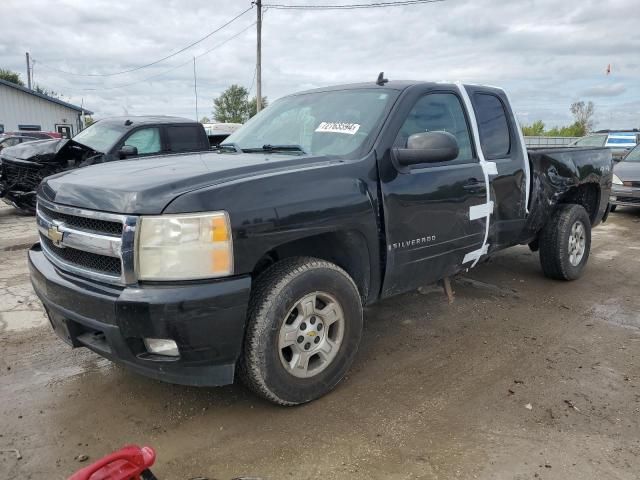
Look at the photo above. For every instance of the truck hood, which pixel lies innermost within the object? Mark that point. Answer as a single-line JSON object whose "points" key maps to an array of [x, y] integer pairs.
{"points": [[37, 151], [43, 151], [627, 171], [147, 186]]}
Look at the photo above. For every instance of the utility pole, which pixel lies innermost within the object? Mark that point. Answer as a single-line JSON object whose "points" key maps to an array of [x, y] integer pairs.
{"points": [[259, 58], [28, 71], [195, 87]]}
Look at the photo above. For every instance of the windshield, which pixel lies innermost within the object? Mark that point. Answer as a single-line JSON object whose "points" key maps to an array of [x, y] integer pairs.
{"points": [[100, 136], [591, 141], [633, 156], [320, 123]]}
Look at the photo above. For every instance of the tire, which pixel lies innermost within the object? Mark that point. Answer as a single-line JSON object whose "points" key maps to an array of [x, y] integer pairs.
{"points": [[559, 255], [612, 208], [286, 299]]}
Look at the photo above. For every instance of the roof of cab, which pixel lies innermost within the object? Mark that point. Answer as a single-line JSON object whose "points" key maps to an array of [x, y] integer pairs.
{"points": [[147, 119], [397, 85]]}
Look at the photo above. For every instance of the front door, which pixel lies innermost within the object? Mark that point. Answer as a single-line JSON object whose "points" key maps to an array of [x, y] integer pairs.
{"points": [[427, 208]]}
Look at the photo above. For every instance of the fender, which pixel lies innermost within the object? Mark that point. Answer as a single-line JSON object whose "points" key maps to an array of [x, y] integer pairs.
{"points": [[302, 203]]}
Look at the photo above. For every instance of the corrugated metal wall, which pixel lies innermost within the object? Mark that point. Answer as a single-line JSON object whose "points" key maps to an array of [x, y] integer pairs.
{"points": [[20, 108]]}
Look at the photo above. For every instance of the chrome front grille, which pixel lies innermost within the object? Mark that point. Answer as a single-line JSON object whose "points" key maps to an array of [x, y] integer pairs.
{"points": [[24, 177], [94, 225], [88, 243], [88, 260]]}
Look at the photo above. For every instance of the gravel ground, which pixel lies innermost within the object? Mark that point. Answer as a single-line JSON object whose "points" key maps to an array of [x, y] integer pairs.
{"points": [[18, 231], [520, 378]]}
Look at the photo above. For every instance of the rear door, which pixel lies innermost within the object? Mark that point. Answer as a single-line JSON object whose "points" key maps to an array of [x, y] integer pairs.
{"points": [[185, 138], [501, 145], [427, 207]]}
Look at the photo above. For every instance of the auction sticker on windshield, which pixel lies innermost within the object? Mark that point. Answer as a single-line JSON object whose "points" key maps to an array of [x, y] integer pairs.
{"points": [[338, 127]]}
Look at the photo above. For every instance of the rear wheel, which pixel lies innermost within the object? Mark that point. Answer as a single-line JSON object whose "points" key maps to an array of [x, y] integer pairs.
{"points": [[305, 324], [565, 243]]}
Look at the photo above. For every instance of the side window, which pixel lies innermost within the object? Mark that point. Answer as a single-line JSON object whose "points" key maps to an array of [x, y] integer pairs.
{"points": [[438, 112], [146, 140], [493, 125], [184, 138]]}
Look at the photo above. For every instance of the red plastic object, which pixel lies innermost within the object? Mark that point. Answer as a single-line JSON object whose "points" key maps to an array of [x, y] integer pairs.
{"points": [[128, 463]]}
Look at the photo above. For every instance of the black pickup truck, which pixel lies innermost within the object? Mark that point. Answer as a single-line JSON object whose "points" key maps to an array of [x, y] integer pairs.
{"points": [[257, 260], [23, 166]]}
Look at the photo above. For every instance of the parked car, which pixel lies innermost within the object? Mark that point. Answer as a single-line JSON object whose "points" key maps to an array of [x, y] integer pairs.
{"points": [[218, 132], [24, 166], [620, 142], [257, 260], [12, 140], [626, 181], [35, 134]]}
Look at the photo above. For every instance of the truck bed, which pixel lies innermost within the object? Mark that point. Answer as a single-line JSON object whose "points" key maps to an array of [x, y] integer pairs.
{"points": [[561, 172]]}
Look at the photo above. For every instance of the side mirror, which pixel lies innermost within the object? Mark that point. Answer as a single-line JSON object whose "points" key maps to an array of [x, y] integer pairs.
{"points": [[127, 151], [428, 147]]}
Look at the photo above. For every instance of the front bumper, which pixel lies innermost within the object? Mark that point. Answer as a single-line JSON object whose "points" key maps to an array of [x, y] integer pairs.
{"points": [[205, 319], [625, 196]]}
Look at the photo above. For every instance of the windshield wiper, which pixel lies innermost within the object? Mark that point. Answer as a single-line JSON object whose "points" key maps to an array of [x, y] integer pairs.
{"points": [[275, 148], [232, 146]]}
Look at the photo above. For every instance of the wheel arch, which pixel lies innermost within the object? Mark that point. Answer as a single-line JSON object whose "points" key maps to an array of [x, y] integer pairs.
{"points": [[346, 248], [585, 194]]}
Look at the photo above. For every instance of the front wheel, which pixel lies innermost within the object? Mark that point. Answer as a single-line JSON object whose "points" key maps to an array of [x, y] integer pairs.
{"points": [[303, 332], [565, 243]]}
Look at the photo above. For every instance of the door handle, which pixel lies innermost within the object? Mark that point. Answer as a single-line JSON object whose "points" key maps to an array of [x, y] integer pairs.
{"points": [[473, 184]]}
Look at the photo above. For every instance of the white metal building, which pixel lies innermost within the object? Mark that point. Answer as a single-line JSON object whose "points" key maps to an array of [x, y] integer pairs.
{"points": [[22, 109]]}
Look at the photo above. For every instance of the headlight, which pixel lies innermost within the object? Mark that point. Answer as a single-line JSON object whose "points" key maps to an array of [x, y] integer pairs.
{"points": [[184, 247], [616, 180]]}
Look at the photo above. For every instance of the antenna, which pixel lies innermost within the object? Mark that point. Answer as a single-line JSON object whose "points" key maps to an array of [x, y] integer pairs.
{"points": [[381, 80]]}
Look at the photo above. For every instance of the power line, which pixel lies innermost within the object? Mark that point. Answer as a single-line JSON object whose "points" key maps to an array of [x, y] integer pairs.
{"points": [[351, 6], [154, 62], [215, 47]]}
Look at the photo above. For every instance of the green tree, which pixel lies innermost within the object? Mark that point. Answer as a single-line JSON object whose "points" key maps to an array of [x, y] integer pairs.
{"points": [[252, 107], [573, 130], [44, 91], [583, 114], [10, 76], [234, 105], [231, 106], [536, 129], [205, 120], [88, 121]]}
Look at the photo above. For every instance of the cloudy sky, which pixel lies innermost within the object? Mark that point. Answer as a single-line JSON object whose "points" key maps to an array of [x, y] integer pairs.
{"points": [[546, 53]]}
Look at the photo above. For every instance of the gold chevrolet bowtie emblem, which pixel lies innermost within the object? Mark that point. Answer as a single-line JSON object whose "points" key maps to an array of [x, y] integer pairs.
{"points": [[55, 235]]}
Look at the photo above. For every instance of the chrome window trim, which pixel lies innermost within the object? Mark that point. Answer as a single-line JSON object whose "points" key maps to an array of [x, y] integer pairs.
{"points": [[122, 247]]}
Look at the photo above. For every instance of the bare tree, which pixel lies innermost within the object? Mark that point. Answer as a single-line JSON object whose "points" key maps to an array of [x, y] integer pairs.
{"points": [[583, 113]]}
